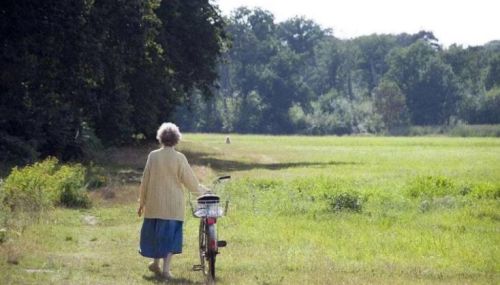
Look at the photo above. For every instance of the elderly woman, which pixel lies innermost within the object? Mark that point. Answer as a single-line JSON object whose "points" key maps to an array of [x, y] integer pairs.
{"points": [[162, 200]]}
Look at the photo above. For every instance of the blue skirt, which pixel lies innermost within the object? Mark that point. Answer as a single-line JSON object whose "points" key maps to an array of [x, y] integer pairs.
{"points": [[160, 237]]}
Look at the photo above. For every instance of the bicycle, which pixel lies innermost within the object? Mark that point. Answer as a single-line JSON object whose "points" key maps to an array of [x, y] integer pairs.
{"points": [[208, 209]]}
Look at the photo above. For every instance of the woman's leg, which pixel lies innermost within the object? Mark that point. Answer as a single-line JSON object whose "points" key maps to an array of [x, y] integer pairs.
{"points": [[166, 265]]}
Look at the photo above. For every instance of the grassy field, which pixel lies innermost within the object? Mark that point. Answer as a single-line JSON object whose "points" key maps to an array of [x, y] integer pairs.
{"points": [[304, 210]]}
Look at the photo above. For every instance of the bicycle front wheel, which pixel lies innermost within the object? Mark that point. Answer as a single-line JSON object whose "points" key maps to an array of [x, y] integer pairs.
{"points": [[211, 231], [202, 239], [211, 265]]}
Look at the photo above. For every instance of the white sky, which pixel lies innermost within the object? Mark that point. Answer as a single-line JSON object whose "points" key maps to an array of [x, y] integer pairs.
{"points": [[463, 22]]}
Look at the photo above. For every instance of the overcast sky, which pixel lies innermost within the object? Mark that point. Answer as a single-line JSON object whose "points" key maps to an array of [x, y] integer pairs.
{"points": [[463, 22]]}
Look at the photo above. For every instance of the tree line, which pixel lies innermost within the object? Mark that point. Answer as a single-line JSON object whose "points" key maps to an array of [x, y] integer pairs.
{"points": [[77, 73], [296, 77]]}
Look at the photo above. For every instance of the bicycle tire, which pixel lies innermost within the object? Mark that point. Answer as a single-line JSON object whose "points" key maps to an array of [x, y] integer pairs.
{"points": [[202, 239], [211, 265], [211, 234]]}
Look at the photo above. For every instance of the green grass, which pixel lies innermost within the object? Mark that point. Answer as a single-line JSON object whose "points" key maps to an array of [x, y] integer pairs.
{"points": [[429, 215]]}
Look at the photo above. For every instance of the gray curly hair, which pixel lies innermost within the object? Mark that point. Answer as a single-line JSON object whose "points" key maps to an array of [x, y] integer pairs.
{"points": [[168, 134]]}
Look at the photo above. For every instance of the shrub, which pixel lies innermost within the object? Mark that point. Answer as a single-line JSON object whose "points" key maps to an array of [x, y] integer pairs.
{"points": [[430, 187], [44, 184], [69, 187], [336, 194], [28, 188], [345, 200]]}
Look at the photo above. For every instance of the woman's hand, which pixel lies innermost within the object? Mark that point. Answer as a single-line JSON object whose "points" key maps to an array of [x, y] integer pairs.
{"points": [[140, 210], [202, 189]]}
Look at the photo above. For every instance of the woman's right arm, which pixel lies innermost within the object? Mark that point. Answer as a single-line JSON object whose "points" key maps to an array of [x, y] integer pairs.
{"points": [[188, 178]]}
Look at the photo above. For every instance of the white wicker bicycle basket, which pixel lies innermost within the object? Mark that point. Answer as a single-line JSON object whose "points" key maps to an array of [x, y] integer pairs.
{"points": [[208, 205]]}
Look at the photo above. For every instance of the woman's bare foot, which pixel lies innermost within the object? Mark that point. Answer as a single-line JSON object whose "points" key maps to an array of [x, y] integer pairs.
{"points": [[154, 267]]}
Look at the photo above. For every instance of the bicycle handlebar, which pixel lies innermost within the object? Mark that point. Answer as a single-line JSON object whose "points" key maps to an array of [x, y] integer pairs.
{"points": [[211, 192], [224, 177]]}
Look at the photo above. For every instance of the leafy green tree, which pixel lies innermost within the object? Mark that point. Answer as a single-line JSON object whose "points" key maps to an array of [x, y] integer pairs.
{"points": [[348, 74], [469, 66], [253, 44], [115, 48], [39, 82], [390, 103], [262, 64], [373, 51], [405, 40], [493, 77], [328, 59], [300, 34], [192, 37], [489, 111], [252, 111], [184, 41], [430, 86], [102, 69]]}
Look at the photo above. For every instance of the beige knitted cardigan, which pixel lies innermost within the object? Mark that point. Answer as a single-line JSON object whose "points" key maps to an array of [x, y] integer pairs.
{"points": [[161, 192]]}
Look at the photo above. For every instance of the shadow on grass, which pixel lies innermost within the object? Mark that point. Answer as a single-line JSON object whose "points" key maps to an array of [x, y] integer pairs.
{"points": [[224, 165], [158, 279]]}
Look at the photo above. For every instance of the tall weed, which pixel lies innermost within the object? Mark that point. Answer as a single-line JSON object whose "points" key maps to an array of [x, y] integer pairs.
{"points": [[437, 187], [485, 191], [431, 187]]}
